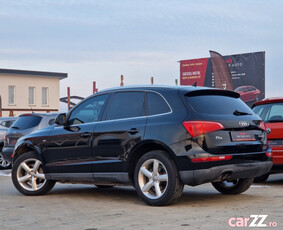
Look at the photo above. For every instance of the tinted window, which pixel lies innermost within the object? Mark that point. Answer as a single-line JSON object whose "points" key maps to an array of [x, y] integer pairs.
{"points": [[7, 123], [239, 89], [270, 112], [215, 104], [156, 104], [126, 105], [26, 122], [88, 111]]}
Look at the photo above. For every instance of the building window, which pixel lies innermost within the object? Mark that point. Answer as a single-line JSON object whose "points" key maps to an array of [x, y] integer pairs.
{"points": [[44, 96], [12, 95], [31, 95]]}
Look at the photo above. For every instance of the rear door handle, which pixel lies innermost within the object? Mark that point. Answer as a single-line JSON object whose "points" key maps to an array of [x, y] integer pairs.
{"points": [[86, 134], [133, 131]]}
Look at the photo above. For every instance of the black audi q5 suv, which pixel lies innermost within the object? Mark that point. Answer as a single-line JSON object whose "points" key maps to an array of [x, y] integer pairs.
{"points": [[157, 138]]}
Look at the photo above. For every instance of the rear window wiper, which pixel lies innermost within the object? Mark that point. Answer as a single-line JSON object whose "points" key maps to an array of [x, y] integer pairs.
{"points": [[239, 113], [15, 127]]}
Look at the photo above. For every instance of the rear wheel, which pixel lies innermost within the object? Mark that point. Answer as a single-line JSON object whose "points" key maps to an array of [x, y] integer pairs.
{"points": [[28, 176], [4, 164], [157, 179], [234, 187]]}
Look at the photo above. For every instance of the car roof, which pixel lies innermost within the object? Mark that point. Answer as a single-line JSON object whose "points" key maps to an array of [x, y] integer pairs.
{"points": [[149, 87], [185, 89], [8, 118], [269, 101], [39, 114]]}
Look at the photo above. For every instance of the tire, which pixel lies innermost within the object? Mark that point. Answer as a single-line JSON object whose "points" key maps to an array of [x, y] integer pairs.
{"points": [[4, 164], [234, 187], [156, 179], [28, 176], [261, 179]]}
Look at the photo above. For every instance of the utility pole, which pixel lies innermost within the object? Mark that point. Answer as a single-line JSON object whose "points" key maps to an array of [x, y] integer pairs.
{"points": [[69, 98], [122, 80], [95, 90]]}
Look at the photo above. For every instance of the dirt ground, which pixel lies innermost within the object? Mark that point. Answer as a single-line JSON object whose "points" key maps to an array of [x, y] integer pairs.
{"points": [[86, 207]]}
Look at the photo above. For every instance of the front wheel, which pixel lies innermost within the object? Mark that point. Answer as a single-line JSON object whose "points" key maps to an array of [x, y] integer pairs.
{"points": [[28, 176], [157, 179], [234, 187]]}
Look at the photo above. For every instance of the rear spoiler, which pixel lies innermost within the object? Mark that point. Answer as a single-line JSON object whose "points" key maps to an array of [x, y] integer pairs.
{"points": [[221, 92]]}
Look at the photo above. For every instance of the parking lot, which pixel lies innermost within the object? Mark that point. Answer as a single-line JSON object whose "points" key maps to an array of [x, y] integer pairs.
{"points": [[85, 207]]}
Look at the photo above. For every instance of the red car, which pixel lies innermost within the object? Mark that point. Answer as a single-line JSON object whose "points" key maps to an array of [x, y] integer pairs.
{"points": [[271, 111], [249, 93]]}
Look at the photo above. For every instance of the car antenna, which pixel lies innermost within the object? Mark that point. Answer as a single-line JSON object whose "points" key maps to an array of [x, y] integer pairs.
{"points": [[195, 84]]}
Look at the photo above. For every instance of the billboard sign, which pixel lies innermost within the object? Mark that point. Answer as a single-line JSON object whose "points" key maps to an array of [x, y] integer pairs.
{"points": [[247, 73]]}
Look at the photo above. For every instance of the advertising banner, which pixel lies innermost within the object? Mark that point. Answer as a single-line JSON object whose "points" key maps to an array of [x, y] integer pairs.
{"points": [[247, 73]]}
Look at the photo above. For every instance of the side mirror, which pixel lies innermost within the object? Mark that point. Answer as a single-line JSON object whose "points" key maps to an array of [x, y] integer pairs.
{"points": [[61, 119], [268, 131]]}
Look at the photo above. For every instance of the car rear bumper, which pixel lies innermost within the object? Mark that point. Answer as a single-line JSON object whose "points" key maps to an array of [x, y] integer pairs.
{"points": [[7, 152], [225, 172]]}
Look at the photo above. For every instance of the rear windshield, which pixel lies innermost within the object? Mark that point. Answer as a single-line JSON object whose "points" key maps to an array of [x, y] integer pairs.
{"points": [[26, 122], [216, 104]]}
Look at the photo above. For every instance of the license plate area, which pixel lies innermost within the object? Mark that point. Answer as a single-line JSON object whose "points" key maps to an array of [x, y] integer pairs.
{"points": [[242, 136]]}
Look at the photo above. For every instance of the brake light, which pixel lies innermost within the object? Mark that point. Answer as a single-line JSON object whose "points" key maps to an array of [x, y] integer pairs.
{"points": [[215, 158], [5, 139], [269, 153], [262, 125], [26, 115], [197, 128]]}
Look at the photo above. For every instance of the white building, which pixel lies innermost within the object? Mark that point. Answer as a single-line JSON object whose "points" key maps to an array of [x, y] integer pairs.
{"points": [[26, 91]]}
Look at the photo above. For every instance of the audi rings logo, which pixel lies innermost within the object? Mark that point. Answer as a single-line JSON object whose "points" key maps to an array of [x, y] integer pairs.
{"points": [[244, 123]]}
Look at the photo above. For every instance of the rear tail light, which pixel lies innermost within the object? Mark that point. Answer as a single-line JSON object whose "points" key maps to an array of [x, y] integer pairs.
{"points": [[269, 153], [262, 125], [5, 139], [214, 158], [197, 128]]}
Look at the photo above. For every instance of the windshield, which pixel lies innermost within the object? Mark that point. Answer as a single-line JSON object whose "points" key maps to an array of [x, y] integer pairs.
{"points": [[239, 89], [270, 112], [26, 122]]}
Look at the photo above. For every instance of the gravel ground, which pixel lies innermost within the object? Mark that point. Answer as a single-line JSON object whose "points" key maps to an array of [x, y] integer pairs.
{"points": [[86, 207]]}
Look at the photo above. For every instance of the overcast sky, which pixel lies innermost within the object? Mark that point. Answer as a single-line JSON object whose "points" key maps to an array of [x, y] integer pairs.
{"points": [[100, 40]]}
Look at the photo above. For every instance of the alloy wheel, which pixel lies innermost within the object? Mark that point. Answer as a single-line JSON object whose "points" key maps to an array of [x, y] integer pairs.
{"points": [[4, 163], [153, 179], [30, 175]]}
